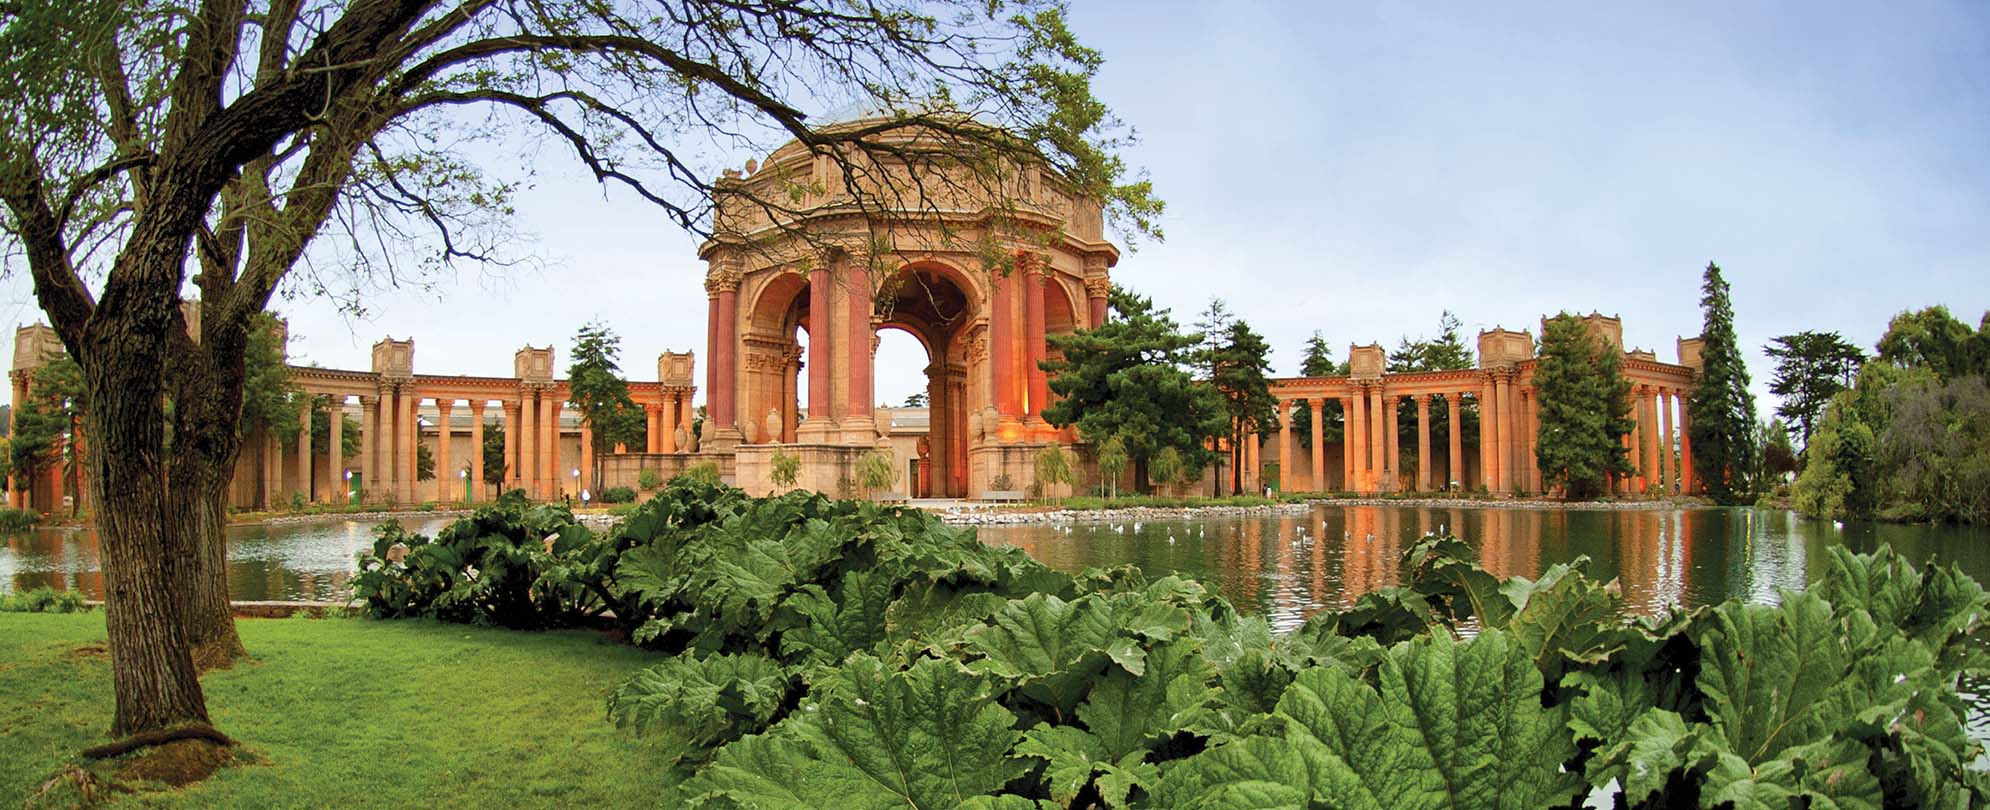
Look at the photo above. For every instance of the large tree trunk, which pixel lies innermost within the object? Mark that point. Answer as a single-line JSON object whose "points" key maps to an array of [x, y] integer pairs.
{"points": [[205, 382], [145, 561]]}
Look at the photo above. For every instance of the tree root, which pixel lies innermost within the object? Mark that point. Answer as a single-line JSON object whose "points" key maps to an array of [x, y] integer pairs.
{"points": [[147, 739]]}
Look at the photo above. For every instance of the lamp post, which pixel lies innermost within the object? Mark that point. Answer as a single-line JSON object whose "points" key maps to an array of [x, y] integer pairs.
{"points": [[465, 475], [348, 487]]}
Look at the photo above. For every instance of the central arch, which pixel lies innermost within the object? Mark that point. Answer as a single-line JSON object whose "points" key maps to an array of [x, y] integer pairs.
{"points": [[935, 303]]}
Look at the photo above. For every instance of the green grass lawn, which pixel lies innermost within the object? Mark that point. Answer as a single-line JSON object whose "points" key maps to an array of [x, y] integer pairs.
{"points": [[352, 713]]}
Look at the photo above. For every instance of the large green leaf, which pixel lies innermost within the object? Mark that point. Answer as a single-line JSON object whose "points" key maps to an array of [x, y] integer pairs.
{"points": [[1455, 725], [871, 737], [828, 630], [1774, 675], [1052, 649], [1128, 712], [693, 704], [1075, 758]]}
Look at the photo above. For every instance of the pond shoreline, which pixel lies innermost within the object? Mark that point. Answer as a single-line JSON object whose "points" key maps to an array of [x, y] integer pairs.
{"points": [[997, 515], [987, 516]]}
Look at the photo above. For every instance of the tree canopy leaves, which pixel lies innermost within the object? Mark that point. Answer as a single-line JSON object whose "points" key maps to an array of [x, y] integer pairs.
{"points": [[1585, 409], [1721, 406], [1811, 368], [1128, 379]]}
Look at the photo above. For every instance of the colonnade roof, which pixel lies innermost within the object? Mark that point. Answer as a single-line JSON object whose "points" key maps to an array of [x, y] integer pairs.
{"points": [[1640, 371]]}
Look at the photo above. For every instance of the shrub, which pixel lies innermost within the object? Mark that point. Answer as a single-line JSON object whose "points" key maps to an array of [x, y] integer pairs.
{"points": [[503, 565], [648, 480], [876, 471], [706, 472], [784, 469], [618, 495], [43, 600]]}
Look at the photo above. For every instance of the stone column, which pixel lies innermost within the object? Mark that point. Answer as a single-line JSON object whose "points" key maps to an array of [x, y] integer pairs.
{"points": [[383, 481], [1354, 437], [1654, 451], [476, 450], [725, 355], [1033, 341], [1319, 407], [1503, 392], [446, 479], [410, 440], [586, 457], [1489, 437], [1423, 442], [304, 450], [1455, 401], [652, 426], [548, 436], [1285, 477], [858, 405], [369, 429], [526, 465], [339, 489], [1001, 347], [1377, 421], [668, 422], [1392, 451], [1097, 291], [1666, 463], [820, 412]]}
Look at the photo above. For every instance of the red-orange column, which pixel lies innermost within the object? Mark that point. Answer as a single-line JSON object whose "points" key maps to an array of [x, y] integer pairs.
{"points": [[1033, 345], [1096, 291], [861, 307], [818, 347], [724, 355], [1002, 346], [711, 346]]}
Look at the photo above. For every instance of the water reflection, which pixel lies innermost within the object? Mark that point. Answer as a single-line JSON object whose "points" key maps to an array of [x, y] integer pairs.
{"points": [[1286, 566], [299, 561], [1290, 566]]}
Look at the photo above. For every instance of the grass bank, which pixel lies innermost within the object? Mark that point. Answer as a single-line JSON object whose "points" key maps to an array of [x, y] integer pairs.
{"points": [[351, 713]]}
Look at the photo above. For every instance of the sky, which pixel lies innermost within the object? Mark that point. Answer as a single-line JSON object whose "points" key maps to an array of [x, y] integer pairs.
{"points": [[1359, 168]]}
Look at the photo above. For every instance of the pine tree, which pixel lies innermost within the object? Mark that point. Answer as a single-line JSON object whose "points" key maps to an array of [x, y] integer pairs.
{"points": [[1585, 410], [596, 387], [1240, 368], [1723, 412], [1811, 368], [1317, 360], [1128, 379]]}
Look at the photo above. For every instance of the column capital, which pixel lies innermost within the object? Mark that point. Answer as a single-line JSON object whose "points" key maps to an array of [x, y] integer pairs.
{"points": [[1032, 263], [444, 405], [720, 282], [1098, 287], [1422, 400]]}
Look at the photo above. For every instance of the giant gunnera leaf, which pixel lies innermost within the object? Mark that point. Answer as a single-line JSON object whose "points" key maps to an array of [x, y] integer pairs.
{"points": [[1454, 726], [873, 738]]}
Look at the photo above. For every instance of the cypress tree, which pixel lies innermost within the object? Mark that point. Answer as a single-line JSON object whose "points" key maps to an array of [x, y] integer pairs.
{"points": [[1723, 412], [1585, 410]]}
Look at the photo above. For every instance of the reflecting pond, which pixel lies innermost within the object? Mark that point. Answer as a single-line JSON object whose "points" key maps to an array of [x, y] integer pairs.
{"points": [[1286, 566], [292, 561], [1289, 566]]}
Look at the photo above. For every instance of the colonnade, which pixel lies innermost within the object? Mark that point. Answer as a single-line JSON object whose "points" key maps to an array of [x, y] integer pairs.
{"points": [[392, 427], [1501, 396]]}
